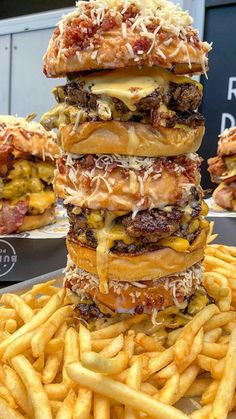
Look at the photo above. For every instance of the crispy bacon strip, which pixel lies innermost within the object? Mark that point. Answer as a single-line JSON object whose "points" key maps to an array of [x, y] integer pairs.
{"points": [[12, 216]]}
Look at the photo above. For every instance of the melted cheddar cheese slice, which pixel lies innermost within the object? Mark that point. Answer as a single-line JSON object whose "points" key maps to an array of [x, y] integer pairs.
{"points": [[41, 201], [130, 87]]}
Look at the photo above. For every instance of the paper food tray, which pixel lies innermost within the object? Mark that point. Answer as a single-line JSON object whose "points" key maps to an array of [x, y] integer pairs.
{"points": [[187, 405], [26, 285]]}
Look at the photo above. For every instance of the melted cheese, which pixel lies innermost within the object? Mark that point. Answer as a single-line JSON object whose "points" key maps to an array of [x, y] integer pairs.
{"points": [[106, 236], [41, 201], [130, 87], [176, 243]]}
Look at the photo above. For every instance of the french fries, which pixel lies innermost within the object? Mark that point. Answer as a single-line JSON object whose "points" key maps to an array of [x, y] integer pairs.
{"points": [[226, 388], [132, 369], [122, 393], [32, 382]]}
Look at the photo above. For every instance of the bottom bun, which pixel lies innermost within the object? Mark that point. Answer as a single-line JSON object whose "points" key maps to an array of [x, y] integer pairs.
{"points": [[145, 267], [133, 297], [31, 222]]}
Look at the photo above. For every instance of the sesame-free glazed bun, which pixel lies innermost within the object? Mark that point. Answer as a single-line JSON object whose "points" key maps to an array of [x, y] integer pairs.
{"points": [[31, 222], [144, 267], [129, 138], [120, 33], [123, 183], [29, 138]]}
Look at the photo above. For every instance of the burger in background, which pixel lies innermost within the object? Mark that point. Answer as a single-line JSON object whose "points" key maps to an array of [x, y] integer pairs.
{"points": [[223, 170], [27, 162]]}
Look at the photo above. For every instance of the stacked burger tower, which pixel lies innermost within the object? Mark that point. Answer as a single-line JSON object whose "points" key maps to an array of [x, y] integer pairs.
{"points": [[128, 123]]}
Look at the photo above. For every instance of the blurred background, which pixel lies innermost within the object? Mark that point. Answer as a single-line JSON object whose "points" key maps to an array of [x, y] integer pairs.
{"points": [[26, 27]]}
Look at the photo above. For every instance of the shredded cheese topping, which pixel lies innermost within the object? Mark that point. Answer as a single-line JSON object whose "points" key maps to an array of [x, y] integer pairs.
{"points": [[162, 14], [9, 121], [177, 284]]}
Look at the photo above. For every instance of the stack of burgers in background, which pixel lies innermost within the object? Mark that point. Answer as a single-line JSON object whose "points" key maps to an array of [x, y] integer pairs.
{"points": [[28, 156], [223, 170], [129, 176]]}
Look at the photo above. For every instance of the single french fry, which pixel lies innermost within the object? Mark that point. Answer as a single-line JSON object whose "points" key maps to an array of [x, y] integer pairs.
{"points": [[169, 392], [71, 354], [133, 380], [228, 327], [34, 387], [39, 363], [227, 385], [45, 332], [206, 363], [117, 412], [39, 288], [2, 375], [213, 335], [30, 300], [196, 348], [7, 313], [219, 320], [54, 345], [214, 350], [212, 260], [20, 345], [165, 358], [225, 272], [40, 318], [122, 393], [129, 343], [16, 302], [220, 255], [148, 343], [217, 369], [42, 301], [56, 391], [173, 336], [50, 290], [54, 360], [66, 409], [184, 342], [6, 395], [148, 388], [55, 406], [199, 386], [7, 412], [224, 340], [84, 340], [113, 348], [117, 328], [10, 325], [187, 378], [209, 394], [101, 407], [17, 389], [99, 363], [98, 345], [83, 404], [202, 413]]}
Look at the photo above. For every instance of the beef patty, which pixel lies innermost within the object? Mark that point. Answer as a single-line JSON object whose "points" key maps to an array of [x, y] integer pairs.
{"points": [[144, 230], [177, 106]]}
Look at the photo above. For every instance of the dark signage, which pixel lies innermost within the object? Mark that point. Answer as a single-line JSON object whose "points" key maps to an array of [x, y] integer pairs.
{"points": [[219, 100]]}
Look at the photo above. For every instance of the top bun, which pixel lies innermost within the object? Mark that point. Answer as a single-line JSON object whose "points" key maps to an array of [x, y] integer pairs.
{"points": [[27, 137], [227, 142], [103, 34]]}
